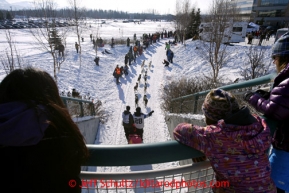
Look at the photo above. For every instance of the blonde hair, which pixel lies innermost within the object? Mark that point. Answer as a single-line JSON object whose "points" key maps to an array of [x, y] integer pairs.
{"points": [[282, 62], [281, 67]]}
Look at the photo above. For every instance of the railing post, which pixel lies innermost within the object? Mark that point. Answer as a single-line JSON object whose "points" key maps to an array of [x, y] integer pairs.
{"points": [[65, 102], [81, 109], [92, 110], [196, 103]]}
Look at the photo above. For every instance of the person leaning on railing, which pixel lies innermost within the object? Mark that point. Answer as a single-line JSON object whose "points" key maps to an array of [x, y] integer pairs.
{"points": [[234, 141], [41, 148], [275, 105]]}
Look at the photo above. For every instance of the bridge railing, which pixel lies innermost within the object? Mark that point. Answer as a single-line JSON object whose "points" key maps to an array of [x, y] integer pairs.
{"points": [[79, 107], [192, 103], [195, 178]]}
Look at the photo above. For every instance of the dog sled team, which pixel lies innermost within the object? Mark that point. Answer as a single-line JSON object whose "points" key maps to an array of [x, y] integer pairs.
{"points": [[133, 124]]}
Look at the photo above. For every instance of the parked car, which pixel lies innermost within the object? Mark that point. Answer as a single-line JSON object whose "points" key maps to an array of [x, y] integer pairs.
{"points": [[271, 28], [280, 32]]}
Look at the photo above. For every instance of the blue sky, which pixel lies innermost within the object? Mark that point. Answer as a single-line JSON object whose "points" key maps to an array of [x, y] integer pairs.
{"points": [[160, 6]]}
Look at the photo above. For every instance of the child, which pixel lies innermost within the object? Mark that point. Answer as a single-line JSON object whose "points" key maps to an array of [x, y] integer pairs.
{"points": [[234, 141]]}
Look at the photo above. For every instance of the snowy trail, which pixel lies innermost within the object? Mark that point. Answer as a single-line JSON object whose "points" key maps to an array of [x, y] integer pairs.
{"points": [[99, 82]]}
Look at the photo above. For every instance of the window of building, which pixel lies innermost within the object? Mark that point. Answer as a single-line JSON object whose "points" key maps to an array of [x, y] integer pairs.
{"points": [[272, 13], [237, 29], [274, 2]]}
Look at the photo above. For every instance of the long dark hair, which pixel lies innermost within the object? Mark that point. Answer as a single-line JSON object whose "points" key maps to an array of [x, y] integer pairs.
{"points": [[36, 87]]}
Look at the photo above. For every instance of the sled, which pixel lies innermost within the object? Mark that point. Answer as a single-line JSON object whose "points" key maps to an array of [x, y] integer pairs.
{"points": [[134, 139]]}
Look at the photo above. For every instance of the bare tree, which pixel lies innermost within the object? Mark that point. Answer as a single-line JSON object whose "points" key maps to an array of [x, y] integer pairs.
{"points": [[257, 66], [49, 38], [11, 59], [77, 14], [221, 15], [183, 19]]}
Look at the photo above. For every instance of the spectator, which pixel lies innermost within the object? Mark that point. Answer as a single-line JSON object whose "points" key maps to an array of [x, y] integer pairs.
{"points": [[76, 47], [234, 141], [275, 105], [42, 148]]}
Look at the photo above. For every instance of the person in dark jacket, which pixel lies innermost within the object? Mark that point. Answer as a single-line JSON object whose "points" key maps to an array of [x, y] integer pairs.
{"points": [[275, 105], [96, 60], [126, 59], [125, 69], [41, 147], [139, 117], [127, 122], [128, 42], [76, 47]]}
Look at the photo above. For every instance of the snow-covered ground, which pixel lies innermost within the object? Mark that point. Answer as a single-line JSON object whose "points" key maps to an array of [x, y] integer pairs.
{"points": [[99, 82]]}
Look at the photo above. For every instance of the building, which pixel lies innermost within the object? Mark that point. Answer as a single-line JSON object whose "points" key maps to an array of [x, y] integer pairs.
{"points": [[246, 8], [271, 12], [264, 12]]}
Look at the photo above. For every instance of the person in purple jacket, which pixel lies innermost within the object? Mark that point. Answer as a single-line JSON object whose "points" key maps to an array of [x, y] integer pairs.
{"points": [[275, 105], [234, 141], [41, 148]]}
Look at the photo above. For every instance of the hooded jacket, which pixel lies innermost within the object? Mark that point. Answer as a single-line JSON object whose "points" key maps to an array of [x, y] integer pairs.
{"points": [[277, 108], [237, 152], [33, 157]]}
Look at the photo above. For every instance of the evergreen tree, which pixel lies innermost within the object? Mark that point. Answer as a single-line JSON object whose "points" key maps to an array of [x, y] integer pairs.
{"points": [[1, 15], [190, 28], [197, 22], [8, 15]]}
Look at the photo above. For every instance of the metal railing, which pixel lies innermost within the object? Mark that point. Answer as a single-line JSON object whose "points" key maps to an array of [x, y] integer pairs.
{"points": [[179, 179], [192, 103], [78, 107], [195, 178]]}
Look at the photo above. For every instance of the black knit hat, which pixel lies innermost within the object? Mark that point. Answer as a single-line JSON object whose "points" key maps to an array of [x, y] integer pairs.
{"points": [[138, 109], [127, 108], [281, 47]]}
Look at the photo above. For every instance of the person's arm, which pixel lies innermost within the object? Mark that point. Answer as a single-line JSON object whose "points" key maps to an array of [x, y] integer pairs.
{"points": [[277, 106], [195, 136], [149, 114]]}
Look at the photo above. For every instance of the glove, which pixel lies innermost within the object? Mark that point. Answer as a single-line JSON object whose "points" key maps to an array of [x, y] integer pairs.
{"points": [[263, 94], [199, 159], [247, 95], [151, 113]]}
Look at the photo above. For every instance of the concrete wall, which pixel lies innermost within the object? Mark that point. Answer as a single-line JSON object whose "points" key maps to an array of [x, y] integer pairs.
{"points": [[173, 120], [88, 128]]}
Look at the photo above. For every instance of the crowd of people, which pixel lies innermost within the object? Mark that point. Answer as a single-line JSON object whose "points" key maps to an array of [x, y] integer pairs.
{"points": [[261, 35]]}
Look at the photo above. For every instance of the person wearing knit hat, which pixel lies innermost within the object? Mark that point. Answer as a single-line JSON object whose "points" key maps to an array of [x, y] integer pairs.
{"points": [[139, 117], [275, 105], [234, 141], [127, 122], [219, 104]]}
